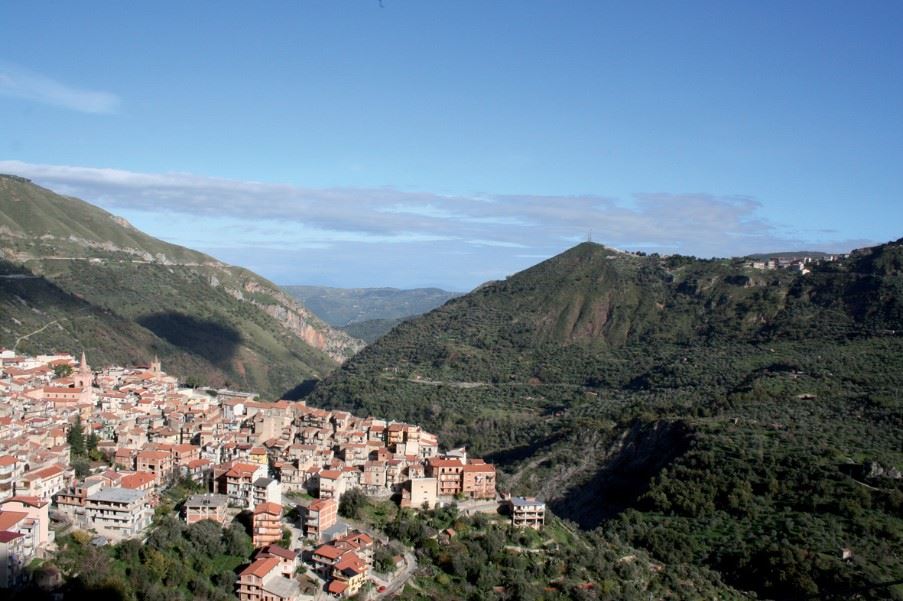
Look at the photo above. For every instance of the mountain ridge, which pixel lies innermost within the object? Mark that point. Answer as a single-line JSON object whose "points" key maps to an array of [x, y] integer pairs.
{"points": [[175, 294]]}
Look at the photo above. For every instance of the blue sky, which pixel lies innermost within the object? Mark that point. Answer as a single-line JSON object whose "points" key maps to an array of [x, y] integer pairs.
{"points": [[413, 143]]}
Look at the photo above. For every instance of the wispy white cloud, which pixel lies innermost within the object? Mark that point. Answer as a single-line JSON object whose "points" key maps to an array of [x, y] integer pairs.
{"points": [[378, 228], [498, 243], [22, 83]]}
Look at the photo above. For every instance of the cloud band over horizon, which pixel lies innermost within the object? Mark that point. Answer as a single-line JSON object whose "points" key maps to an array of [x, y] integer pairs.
{"points": [[362, 229]]}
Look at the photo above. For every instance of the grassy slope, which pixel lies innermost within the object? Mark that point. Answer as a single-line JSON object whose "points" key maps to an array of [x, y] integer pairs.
{"points": [[661, 399]]}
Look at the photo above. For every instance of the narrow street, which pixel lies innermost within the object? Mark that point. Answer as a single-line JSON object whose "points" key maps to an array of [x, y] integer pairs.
{"points": [[401, 577]]}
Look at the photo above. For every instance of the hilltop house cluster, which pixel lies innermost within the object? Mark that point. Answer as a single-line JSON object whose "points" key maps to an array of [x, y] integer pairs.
{"points": [[803, 264], [246, 453]]}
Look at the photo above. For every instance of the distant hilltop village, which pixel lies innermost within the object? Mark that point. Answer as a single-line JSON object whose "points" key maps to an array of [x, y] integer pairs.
{"points": [[100, 446], [799, 263]]}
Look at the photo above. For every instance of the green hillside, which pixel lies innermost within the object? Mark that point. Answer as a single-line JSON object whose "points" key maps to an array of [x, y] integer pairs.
{"points": [[124, 296], [715, 415], [370, 330]]}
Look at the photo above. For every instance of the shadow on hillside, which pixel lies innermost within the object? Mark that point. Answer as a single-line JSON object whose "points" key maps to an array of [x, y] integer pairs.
{"points": [[300, 391], [512, 455], [647, 450], [213, 341]]}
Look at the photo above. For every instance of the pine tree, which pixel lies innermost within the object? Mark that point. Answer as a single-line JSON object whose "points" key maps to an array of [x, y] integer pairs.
{"points": [[76, 438], [91, 442]]}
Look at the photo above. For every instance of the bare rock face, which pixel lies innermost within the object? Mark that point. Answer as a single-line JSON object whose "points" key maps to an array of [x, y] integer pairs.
{"points": [[873, 469], [301, 322]]}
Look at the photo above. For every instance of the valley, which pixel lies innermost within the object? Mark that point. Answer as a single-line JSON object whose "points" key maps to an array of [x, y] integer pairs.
{"points": [[738, 419]]}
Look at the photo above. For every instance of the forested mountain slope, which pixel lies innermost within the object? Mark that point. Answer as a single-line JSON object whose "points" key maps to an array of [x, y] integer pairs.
{"points": [[745, 420]]}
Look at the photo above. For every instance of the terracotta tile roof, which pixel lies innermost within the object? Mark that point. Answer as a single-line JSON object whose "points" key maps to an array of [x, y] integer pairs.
{"points": [[242, 470], [359, 538], [328, 551], [137, 480], [278, 551], [261, 567], [150, 455], [268, 508], [321, 504], [352, 561], [480, 468], [47, 472], [8, 519], [32, 501], [437, 462]]}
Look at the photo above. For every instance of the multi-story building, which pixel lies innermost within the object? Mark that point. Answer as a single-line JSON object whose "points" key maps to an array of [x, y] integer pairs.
{"points": [[332, 484], [207, 507], [118, 513], [263, 581], [527, 512], [13, 559], [419, 492], [197, 470], [38, 512], [448, 473], [183, 454], [240, 483], [267, 524], [9, 473], [42, 483], [478, 480], [267, 490], [348, 575], [288, 560], [324, 558], [321, 515], [158, 463]]}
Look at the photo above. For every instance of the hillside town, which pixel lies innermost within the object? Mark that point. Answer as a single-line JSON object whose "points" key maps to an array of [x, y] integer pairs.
{"points": [[146, 432]]}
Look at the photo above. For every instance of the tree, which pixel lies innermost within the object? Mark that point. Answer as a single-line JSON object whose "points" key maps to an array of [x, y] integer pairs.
{"points": [[286, 540], [206, 536], [91, 442], [76, 438], [237, 541], [352, 503], [62, 371], [383, 559], [81, 466]]}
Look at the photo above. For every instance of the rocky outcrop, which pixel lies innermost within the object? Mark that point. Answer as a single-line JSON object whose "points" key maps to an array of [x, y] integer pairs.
{"points": [[301, 322], [873, 470]]}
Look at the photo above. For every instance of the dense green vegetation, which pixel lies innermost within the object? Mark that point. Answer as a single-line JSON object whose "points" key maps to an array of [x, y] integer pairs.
{"points": [[483, 557], [100, 285], [714, 415], [370, 330], [175, 563], [345, 306]]}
